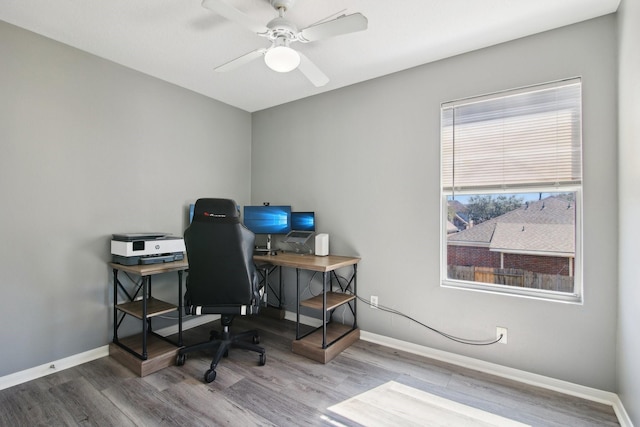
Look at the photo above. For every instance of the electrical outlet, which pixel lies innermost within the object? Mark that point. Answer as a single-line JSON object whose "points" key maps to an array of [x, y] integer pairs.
{"points": [[374, 302], [501, 332]]}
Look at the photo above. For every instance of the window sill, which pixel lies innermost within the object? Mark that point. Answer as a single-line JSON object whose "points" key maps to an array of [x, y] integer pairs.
{"points": [[511, 291]]}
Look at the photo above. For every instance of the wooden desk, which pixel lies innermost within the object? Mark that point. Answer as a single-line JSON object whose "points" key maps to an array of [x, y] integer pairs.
{"points": [[327, 341], [148, 347], [308, 262]]}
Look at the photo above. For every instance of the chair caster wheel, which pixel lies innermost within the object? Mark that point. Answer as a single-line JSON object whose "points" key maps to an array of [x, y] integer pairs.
{"points": [[256, 339], [180, 359], [263, 359], [209, 376]]}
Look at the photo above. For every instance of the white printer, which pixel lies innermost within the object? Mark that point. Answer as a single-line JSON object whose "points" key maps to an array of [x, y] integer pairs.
{"points": [[146, 248]]}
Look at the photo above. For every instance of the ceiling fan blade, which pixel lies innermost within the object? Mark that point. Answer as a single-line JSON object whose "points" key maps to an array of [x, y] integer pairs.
{"points": [[341, 25], [242, 60], [229, 12], [311, 72]]}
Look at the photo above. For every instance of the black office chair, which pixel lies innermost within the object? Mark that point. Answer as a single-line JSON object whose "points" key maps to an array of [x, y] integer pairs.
{"points": [[221, 279]]}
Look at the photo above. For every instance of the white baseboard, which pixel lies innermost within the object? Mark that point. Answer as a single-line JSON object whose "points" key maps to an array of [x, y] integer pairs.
{"points": [[80, 358], [565, 387], [52, 367]]}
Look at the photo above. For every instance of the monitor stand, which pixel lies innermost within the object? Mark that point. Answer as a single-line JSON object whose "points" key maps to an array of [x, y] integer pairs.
{"points": [[301, 248], [266, 250]]}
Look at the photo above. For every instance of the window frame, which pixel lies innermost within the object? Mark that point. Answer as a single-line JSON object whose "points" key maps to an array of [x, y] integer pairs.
{"points": [[576, 296]]}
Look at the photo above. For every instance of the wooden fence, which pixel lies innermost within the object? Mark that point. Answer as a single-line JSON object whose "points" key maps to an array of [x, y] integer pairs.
{"points": [[512, 277]]}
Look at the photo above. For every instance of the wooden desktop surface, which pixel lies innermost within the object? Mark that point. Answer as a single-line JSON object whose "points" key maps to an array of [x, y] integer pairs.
{"points": [[283, 259], [308, 262], [150, 269]]}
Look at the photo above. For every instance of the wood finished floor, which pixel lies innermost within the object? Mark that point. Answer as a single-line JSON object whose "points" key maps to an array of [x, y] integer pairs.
{"points": [[289, 390]]}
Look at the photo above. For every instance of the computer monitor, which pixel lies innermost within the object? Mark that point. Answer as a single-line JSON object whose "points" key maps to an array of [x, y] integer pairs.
{"points": [[192, 210], [268, 219], [303, 221]]}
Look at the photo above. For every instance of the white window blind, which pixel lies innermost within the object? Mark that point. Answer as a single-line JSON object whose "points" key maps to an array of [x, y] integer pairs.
{"points": [[525, 138]]}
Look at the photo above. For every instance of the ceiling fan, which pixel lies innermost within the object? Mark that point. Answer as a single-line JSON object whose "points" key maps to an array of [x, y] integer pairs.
{"points": [[279, 56]]}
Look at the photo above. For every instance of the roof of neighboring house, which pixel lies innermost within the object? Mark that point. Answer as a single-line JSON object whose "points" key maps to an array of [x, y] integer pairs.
{"points": [[544, 226], [547, 239]]}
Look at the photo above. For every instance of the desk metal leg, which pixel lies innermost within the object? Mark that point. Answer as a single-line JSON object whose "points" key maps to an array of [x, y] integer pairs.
{"points": [[180, 308], [149, 326], [324, 309], [265, 288], [281, 301], [145, 283], [355, 283], [115, 303], [297, 302]]}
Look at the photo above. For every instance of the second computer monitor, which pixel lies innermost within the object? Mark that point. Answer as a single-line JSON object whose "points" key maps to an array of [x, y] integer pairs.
{"points": [[303, 221]]}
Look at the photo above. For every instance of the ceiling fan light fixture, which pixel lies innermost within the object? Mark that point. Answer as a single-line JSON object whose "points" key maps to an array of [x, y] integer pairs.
{"points": [[282, 59]]}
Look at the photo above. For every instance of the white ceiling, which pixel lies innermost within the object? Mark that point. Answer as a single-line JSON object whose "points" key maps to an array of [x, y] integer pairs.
{"points": [[181, 42]]}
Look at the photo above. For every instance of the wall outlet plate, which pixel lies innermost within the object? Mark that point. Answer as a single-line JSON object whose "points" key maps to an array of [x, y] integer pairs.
{"points": [[374, 302], [501, 331]]}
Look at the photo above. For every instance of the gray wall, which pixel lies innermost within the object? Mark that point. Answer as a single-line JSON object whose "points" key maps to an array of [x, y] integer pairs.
{"points": [[366, 159], [629, 206], [90, 148]]}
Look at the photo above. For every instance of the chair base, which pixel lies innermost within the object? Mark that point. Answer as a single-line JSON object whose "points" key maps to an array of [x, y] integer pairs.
{"points": [[221, 343]]}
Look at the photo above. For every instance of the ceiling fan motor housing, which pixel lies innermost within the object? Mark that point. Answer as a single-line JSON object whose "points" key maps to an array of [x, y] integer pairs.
{"points": [[284, 4], [280, 27]]}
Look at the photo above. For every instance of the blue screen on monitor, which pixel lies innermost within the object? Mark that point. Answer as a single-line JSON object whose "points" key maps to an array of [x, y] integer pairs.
{"points": [[303, 221], [268, 219]]}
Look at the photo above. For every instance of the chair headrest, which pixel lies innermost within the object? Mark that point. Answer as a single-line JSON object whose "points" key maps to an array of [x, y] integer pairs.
{"points": [[215, 209]]}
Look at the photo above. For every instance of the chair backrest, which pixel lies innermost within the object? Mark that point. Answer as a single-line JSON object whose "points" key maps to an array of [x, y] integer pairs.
{"points": [[220, 253]]}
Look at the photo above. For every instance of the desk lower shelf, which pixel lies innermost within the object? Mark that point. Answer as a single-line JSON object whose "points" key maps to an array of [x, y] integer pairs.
{"points": [[155, 307], [334, 300], [161, 354], [311, 345]]}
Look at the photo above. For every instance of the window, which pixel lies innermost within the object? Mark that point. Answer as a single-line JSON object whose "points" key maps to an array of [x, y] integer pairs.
{"points": [[511, 191]]}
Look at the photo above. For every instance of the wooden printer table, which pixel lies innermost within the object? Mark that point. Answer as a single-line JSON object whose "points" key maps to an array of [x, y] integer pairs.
{"points": [[147, 352]]}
